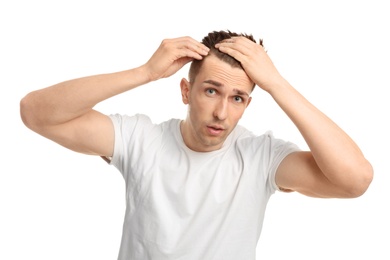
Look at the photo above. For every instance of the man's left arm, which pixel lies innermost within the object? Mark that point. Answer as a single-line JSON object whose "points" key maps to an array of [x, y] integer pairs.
{"points": [[335, 166]]}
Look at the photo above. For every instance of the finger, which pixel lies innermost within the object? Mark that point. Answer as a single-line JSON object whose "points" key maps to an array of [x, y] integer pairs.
{"points": [[190, 43], [232, 52], [233, 49], [198, 48], [192, 48], [241, 44]]}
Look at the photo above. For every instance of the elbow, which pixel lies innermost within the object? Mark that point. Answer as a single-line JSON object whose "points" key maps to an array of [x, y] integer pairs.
{"points": [[27, 111], [362, 180], [24, 104]]}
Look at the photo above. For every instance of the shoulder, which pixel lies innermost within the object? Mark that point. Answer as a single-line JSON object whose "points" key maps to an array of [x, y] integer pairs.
{"points": [[141, 125], [265, 143], [243, 136], [121, 119]]}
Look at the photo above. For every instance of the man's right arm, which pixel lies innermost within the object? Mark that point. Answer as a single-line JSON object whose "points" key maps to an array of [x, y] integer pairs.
{"points": [[64, 112]]}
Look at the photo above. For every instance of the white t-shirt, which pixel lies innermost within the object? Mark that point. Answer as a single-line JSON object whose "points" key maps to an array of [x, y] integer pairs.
{"points": [[182, 204]]}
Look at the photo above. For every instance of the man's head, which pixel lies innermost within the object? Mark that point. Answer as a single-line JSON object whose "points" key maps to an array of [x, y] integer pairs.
{"points": [[210, 40], [217, 94]]}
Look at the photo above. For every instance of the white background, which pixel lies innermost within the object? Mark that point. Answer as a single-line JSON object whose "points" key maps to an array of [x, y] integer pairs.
{"points": [[57, 204]]}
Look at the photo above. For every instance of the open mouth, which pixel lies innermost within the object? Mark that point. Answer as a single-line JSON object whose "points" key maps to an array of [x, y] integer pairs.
{"points": [[214, 130]]}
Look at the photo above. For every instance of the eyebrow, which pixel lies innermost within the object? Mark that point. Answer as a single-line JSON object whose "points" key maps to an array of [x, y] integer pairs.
{"points": [[218, 84]]}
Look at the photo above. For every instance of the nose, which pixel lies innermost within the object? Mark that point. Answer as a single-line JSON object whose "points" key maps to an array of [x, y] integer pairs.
{"points": [[221, 110]]}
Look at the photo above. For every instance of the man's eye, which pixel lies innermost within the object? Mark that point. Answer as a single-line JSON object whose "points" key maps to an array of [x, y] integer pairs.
{"points": [[238, 99], [210, 91]]}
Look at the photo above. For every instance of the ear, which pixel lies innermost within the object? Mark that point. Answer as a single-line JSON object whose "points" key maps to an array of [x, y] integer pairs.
{"points": [[185, 90], [249, 101]]}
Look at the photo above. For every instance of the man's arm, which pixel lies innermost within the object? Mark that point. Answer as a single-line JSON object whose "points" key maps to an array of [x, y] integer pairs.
{"points": [[335, 166], [64, 112]]}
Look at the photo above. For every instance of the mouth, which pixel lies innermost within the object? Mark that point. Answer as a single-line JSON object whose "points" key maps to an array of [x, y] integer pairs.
{"points": [[215, 130]]}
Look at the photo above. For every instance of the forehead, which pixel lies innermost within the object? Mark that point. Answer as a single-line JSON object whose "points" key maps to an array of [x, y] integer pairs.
{"points": [[214, 69]]}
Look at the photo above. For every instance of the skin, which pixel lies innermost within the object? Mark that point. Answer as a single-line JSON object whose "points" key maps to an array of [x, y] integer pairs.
{"points": [[333, 167], [217, 100]]}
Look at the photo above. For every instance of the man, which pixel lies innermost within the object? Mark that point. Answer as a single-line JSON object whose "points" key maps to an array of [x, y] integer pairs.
{"points": [[198, 188]]}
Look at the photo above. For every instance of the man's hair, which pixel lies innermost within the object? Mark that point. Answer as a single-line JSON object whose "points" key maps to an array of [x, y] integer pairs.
{"points": [[210, 40]]}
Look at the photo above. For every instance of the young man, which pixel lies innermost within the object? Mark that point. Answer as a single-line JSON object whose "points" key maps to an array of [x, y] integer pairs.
{"points": [[198, 188]]}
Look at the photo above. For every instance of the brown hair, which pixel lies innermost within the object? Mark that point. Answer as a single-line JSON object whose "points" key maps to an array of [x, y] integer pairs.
{"points": [[210, 40]]}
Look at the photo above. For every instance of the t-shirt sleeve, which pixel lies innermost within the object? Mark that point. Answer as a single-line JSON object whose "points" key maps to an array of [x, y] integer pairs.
{"points": [[126, 128], [278, 150]]}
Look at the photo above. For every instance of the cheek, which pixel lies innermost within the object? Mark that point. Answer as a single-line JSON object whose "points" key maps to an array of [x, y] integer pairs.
{"points": [[201, 104], [195, 108], [236, 113]]}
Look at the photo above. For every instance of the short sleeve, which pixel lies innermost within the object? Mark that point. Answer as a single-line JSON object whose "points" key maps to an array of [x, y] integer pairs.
{"points": [[278, 150], [125, 144]]}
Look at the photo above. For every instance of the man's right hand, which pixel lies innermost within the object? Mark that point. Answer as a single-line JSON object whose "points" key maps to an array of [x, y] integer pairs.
{"points": [[172, 55]]}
